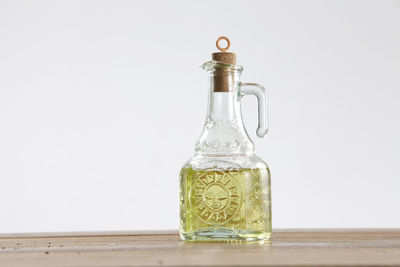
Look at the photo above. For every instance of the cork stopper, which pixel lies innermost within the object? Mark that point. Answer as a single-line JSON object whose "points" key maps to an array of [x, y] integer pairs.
{"points": [[223, 80], [223, 56]]}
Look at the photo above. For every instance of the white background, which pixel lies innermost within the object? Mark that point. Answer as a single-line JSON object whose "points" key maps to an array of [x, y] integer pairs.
{"points": [[101, 103]]}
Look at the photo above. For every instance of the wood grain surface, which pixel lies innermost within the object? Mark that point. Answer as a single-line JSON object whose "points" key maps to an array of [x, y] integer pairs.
{"points": [[379, 247]]}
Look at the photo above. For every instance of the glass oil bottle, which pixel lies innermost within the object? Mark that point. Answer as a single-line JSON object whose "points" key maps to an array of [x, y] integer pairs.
{"points": [[225, 193]]}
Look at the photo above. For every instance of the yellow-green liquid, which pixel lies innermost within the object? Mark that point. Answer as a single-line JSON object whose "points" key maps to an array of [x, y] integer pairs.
{"points": [[225, 205]]}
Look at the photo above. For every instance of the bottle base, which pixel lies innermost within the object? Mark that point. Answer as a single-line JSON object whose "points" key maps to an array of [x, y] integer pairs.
{"points": [[224, 235]]}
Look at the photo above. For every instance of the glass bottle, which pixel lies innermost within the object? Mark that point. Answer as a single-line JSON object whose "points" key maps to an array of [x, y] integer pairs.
{"points": [[225, 188]]}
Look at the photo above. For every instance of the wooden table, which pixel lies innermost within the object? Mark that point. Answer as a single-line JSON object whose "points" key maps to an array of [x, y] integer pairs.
{"points": [[164, 248]]}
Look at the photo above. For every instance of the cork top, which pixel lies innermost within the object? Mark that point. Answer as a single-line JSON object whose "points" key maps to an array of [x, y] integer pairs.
{"points": [[223, 56], [223, 79]]}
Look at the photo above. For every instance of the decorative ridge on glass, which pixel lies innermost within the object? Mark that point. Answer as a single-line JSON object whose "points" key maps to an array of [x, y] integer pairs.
{"points": [[212, 65]]}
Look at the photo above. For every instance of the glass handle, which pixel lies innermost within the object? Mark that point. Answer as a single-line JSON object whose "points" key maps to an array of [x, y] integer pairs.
{"points": [[261, 93]]}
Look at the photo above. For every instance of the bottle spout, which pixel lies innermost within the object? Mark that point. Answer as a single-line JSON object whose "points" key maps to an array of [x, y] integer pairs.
{"points": [[212, 65]]}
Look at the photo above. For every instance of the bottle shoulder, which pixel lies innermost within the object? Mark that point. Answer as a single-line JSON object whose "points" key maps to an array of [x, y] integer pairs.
{"points": [[224, 137], [226, 162]]}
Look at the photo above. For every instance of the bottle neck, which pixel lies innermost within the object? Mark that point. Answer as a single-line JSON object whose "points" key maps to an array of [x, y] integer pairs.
{"points": [[224, 132], [223, 107]]}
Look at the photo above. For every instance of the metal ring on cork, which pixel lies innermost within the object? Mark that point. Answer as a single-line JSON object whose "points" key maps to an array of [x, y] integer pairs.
{"points": [[228, 43]]}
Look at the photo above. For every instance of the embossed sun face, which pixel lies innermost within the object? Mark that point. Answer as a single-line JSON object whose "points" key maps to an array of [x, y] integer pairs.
{"points": [[215, 197]]}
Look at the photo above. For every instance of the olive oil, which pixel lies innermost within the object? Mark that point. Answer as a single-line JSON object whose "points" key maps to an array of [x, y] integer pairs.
{"points": [[225, 205]]}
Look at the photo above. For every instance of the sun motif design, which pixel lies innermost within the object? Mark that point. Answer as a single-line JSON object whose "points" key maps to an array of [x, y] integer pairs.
{"points": [[215, 197]]}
